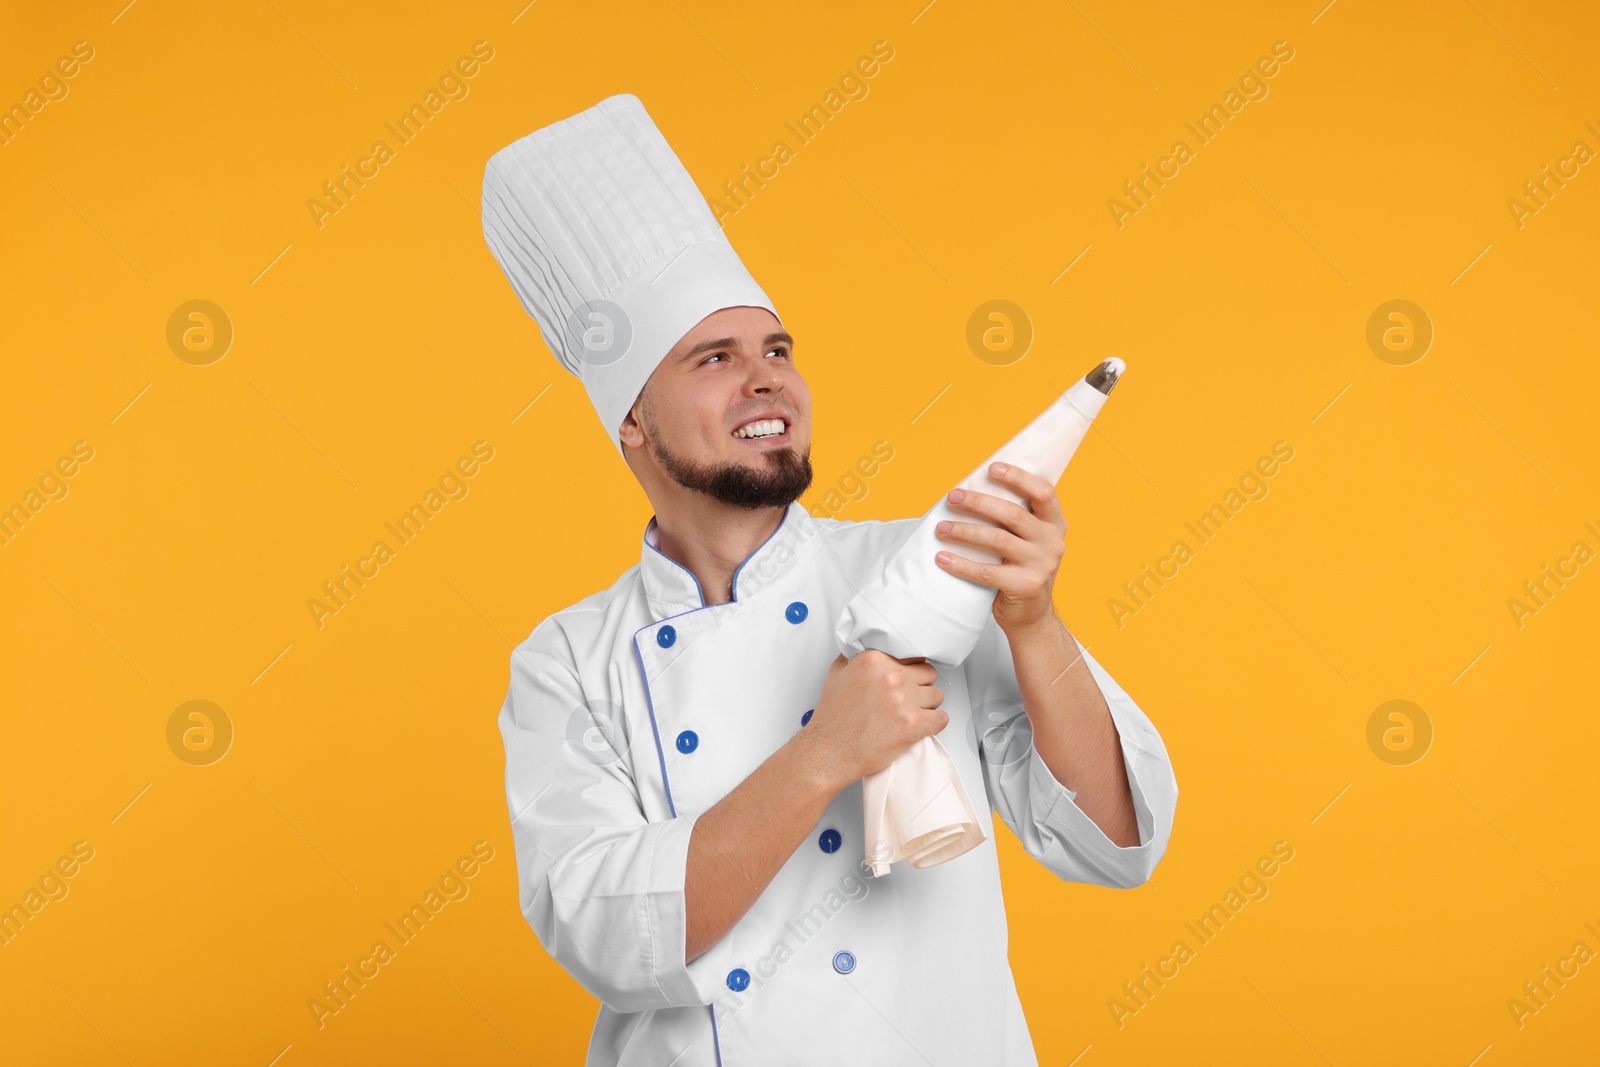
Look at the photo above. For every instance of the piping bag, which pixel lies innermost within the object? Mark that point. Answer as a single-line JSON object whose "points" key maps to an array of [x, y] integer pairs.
{"points": [[916, 807]]}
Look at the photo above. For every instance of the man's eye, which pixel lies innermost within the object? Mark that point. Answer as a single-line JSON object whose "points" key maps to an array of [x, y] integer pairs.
{"points": [[784, 352]]}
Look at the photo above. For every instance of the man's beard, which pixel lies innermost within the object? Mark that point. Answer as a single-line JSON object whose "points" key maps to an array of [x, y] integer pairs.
{"points": [[778, 481]]}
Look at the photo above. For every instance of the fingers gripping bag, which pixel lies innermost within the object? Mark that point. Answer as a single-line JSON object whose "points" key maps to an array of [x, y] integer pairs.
{"points": [[916, 807]]}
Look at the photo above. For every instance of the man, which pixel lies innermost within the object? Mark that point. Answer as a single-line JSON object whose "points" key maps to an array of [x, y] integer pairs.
{"points": [[684, 749]]}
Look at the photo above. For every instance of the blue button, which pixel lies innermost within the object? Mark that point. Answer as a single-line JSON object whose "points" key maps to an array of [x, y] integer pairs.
{"points": [[738, 978], [688, 741], [830, 841], [806, 717], [796, 612], [665, 636], [844, 962]]}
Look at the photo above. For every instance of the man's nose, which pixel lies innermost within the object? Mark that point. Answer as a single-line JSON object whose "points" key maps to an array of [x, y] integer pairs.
{"points": [[764, 378]]}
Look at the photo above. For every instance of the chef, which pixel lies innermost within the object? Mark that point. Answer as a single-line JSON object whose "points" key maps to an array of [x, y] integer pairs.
{"points": [[684, 749]]}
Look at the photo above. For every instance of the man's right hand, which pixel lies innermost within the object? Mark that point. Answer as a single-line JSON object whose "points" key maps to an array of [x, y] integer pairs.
{"points": [[873, 707]]}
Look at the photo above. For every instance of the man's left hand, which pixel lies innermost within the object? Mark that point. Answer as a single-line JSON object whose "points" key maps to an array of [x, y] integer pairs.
{"points": [[1030, 542]]}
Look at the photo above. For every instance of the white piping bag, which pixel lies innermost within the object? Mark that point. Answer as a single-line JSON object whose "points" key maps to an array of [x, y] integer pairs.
{"points": [[916, 807]]}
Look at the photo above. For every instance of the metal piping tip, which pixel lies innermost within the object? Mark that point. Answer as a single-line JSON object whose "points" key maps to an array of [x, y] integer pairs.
{"points": [[1105, 376]]}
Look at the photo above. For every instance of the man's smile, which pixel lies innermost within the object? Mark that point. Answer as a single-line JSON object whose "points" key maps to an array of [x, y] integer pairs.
{"points": [[766, 431]]}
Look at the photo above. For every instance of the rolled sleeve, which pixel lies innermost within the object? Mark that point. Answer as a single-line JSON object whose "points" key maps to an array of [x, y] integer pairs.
{"points": [[600, 884], [1042, 812]]}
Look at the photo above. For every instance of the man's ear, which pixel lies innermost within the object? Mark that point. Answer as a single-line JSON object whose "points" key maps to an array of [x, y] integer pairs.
{"points": [[632, 433]]}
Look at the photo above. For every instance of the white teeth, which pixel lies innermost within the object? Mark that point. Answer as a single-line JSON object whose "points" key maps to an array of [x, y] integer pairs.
{"points": [[760, 428]]}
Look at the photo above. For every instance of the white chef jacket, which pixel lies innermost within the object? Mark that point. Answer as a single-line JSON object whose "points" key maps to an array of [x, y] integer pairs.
{"points": [[640, 706]]}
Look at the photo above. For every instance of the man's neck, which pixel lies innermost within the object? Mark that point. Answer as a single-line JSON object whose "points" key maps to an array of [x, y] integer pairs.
{"points": [[712, 539]]}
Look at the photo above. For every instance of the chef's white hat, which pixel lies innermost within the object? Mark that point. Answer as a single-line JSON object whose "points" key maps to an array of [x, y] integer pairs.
{"points": [[610, 247]]}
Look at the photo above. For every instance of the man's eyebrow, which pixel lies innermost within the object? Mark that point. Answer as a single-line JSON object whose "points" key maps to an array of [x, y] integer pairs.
{"points": [[733, 342]]}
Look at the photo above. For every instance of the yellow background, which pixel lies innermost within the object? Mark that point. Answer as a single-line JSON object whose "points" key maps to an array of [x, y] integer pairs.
{"points": [[370, 353]]}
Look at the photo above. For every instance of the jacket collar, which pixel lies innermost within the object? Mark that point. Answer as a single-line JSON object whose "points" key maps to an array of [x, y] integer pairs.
{"points": [[672, 588]]}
